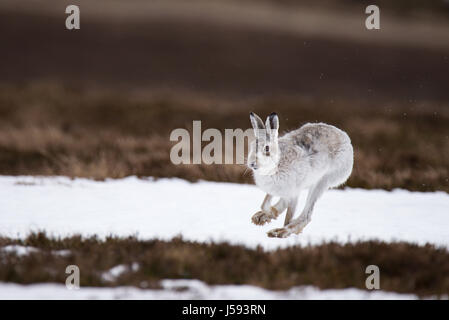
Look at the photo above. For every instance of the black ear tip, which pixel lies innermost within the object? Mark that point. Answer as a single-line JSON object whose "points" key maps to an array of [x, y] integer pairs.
{"points": [[251, 114], [273, 114]]}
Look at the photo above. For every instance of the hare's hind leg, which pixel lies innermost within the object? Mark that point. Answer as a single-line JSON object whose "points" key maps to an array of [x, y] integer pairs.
{"points": [[284, 232], [290, 210], [297, 225], [328, 181], [269, 212]]}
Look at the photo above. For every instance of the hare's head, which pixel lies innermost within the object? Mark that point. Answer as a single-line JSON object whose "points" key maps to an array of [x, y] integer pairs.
{"points": [[263, 156]]}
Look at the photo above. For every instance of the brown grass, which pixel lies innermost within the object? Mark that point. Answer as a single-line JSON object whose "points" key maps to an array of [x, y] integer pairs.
{"points": [[404, 267], [52, 130]]}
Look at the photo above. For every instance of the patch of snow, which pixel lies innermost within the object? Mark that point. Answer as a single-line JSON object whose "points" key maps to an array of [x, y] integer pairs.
{"points": [[212, 211], [190, 289], [26, 250], [18, 250], [62, 253], [115, 272]]}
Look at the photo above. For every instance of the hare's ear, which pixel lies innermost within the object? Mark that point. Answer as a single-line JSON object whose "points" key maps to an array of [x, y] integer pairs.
{"points": [[257, 123], [272, 124]]}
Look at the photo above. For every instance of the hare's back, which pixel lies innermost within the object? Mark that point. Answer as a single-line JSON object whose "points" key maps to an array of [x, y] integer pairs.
{"points": [[320, 137]]}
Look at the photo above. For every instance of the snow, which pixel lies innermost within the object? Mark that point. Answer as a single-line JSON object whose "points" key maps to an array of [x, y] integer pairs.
{"points": [[189, 289], [26, 250], [210, 211], [116, 271], [18, 250]]}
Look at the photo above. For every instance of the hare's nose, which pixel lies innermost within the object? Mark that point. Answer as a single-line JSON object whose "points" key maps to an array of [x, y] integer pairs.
{"points": [[253, 166]]}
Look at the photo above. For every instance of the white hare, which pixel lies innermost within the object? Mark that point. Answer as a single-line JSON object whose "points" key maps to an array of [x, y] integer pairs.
{"points": [[316, 157]]}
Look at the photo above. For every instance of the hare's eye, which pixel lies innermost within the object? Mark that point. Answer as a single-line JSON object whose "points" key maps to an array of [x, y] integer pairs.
{"points": [[267, 151]]}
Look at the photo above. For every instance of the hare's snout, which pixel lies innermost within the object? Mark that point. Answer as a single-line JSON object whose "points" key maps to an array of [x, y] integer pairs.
{"points": [[264, 162]]}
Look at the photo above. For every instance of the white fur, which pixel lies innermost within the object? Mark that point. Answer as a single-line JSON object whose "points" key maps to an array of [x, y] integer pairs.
{"points": [[315, 157]]}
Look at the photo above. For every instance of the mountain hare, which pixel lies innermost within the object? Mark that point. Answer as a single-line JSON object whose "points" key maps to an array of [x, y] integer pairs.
{"points": [[316, 157]]}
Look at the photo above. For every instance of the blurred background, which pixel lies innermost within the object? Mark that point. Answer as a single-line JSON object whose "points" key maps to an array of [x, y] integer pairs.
{"points": [[101, 101]]}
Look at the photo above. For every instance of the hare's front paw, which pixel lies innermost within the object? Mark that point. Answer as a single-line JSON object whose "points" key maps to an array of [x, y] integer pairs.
{"points": [[279, 233], [260, 218]]}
